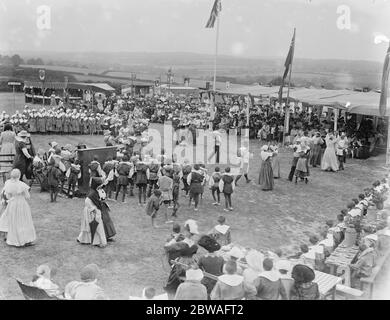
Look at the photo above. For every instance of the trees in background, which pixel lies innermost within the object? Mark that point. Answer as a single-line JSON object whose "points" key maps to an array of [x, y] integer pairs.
{"points": [[16, 60]]}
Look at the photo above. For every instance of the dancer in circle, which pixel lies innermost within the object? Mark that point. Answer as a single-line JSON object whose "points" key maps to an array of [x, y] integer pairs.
{"points": [[329, 160], [16, 220], [266, 176], [92, 223]]}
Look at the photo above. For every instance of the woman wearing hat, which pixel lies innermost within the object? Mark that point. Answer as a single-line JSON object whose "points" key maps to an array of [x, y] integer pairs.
{"points": [[93, 212], [304, 288], [211, 262], [185, 252], [22, 156], [266, 176]]}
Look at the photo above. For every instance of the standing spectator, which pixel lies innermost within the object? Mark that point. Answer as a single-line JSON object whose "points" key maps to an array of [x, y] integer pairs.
{"points": [[22, 156], [341, 150], [54, 175], [16, 221], [7, 145]]}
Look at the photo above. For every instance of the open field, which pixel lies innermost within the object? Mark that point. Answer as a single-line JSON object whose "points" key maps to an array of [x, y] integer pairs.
{"points": [[282, 218]]}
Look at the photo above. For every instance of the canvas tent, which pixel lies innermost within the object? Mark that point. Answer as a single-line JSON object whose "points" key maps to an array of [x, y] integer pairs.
{"points": [[364, 103]]}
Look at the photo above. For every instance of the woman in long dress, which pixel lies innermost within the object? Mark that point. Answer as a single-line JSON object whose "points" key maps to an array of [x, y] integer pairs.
{"points": [[22, 155], [16, 220], [275, 161], [329, 160], [100, 202], [266, 176], [91, 213], [7, 142], [317, 141]]}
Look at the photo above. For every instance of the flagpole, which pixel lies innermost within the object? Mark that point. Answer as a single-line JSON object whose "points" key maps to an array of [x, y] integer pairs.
{"points": [[287, 112], [216, 54]]}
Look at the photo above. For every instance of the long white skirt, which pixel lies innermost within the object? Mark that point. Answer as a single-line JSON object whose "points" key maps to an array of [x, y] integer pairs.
{"points": [[17, 222]]}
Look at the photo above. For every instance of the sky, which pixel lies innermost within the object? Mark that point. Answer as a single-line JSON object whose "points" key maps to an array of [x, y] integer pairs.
{"points": [[248, 28]]}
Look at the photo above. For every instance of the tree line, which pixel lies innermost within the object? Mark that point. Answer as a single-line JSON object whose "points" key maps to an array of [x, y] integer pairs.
{"points": [[16, 60]]}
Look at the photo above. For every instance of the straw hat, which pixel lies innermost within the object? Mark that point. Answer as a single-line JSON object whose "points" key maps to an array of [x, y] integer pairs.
{"points": [[23, 134]]}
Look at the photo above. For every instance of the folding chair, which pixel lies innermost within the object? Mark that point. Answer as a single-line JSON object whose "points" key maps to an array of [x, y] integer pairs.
{"points": [[34, 293]]}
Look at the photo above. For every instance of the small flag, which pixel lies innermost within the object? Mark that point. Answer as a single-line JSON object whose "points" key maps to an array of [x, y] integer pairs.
{"points": [[385, 84], [287, 64], [214, 14]]}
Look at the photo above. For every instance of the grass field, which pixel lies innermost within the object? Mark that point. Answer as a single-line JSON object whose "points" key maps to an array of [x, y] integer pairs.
{"points": [[284, 217]]}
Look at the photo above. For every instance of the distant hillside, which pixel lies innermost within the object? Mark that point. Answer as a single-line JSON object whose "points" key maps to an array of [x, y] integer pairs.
{"points": [[320, 73]]}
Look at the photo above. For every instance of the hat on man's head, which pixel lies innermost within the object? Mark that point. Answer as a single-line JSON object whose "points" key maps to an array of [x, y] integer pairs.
{"points": [[89, 273]]}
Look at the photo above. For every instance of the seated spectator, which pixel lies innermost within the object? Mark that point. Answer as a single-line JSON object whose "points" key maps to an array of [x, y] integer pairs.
{"points": [[236, 255], [231, 286], [269, 285], [149, 293], [304, 288], [254, 259], [87, 289], [304, 249], [192, 288], [365, 262], [42, 280], [211, 262], [221, 232], [175, 236], [284, 268]]}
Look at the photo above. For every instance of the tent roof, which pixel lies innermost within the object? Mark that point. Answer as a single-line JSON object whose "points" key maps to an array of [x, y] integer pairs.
{"points": [[91, 86], [253, 90], [366, 103], [46, 84]]}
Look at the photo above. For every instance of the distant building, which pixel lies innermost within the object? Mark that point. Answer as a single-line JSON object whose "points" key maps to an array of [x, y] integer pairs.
{"points": [[44, 92]]}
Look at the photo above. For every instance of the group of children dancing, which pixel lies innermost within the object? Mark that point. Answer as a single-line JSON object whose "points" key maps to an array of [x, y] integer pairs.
{"points": [[159, 180]]}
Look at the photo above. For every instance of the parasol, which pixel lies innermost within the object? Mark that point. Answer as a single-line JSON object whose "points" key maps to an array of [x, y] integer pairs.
{"points": [[93, 225]]}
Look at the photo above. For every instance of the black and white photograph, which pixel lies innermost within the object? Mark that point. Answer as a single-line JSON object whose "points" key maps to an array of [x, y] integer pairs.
{"points": [[201, 150]]}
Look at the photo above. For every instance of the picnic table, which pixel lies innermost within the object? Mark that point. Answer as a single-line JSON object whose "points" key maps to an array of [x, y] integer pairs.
{"points": [[326, 283], [341, 258]]}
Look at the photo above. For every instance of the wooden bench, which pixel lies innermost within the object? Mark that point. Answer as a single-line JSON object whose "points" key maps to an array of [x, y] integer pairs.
{"points": [[346, 292], [369, 281], [7, 160]]}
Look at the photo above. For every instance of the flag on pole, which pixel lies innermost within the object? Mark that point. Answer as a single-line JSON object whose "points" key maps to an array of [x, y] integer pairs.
{"points": [[287, 64], [385, 84], [214, 14]]}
